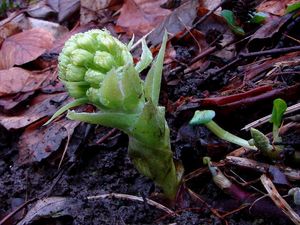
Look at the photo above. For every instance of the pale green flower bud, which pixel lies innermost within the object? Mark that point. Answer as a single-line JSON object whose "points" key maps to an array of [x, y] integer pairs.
{"points": [[76, 89], [86, 41], [80, 57], [69, 48], [75, 73], [93, 96], [87, 58], [104, 60], [94, 77], [108, 42]]}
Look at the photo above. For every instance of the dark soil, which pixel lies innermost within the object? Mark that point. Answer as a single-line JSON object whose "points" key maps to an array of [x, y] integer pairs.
{"points": [[95, 169], [105, 168]]}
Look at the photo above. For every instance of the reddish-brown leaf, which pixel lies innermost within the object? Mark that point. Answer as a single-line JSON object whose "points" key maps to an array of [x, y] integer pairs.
{"points": [[9, 102], [67, 8], [38, 142], [16, 80], [39, 107], [24, 47], [141, 16]]}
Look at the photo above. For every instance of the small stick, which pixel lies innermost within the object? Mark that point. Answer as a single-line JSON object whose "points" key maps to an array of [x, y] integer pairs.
{"points": [[290, 173], [133, 198], [2, 222], [265, 119], [270, 52], [278, 200], [103, 138]]}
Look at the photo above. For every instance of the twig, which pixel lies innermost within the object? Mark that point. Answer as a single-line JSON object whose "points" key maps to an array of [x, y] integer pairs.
{"points": [[102, 139], [290, 109], [2, 222], [278, 200], [270, 52], [256, 54], [133, 198], [290, 173]]}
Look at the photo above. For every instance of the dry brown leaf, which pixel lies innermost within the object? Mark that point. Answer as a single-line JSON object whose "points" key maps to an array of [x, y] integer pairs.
{"points": [[95, 10], [67, 8], [275, 7], [16, 80], [180, 18], [39, 107], [141, 16], [9, 102], [38, 142], [24, 47], [60, 42]]}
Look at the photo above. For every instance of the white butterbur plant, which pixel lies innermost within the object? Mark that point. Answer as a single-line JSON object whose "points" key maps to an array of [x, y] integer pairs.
{"points": [[98, 69]]}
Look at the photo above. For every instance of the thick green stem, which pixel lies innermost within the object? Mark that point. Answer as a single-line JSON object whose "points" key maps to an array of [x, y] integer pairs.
{"points": [[155, 163], [225, 135], [149, 142], [150, 149]]}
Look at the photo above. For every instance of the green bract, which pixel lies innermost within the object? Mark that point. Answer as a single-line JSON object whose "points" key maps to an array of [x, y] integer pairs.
{"points": [[98, 69]]}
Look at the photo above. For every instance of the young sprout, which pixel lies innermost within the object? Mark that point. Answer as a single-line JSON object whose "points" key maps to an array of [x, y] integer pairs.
{"points": [[279, 107], [98, 69], [218, 177], [205, 117], [261, 141]]}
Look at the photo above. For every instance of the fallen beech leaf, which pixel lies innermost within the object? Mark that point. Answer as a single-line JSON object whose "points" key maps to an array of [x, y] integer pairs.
{"points": [[262, 36], [52, 207], [40, 10], [24, 47], [54, 28], [66, 8], [141, 16], [275, 7], [11, 101], [177, 21], [16, 80], [7, 30], [93, 10], [38, 142], [39, 107]]}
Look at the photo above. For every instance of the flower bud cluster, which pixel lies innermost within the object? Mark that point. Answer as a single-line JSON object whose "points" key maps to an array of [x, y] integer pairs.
{"points": [[97, 66]]}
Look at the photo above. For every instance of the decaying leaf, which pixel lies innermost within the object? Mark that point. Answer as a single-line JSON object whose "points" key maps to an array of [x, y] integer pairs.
{"points": [[40, 10], [141, 16], [24, 47], [67, 8], [38, 142], [16, 80], [52, 207], [54, 28], [266, 32], [39, 107], [177, 21], [93, 10], [9, 102]]}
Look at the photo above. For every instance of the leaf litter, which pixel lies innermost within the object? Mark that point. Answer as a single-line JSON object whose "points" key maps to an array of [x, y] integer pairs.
{"points": [[207, 67]]}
